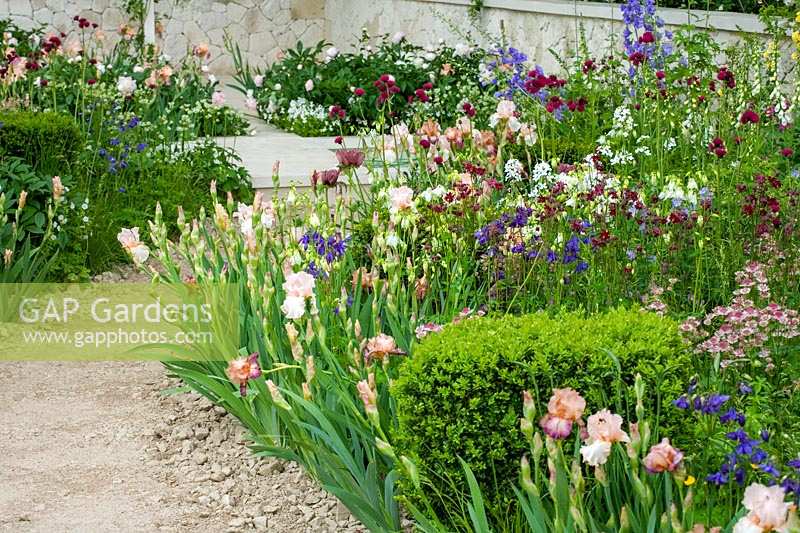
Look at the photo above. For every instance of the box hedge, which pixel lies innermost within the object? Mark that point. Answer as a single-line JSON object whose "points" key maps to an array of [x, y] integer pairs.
{"points": [[460, 395], [49, 142]]}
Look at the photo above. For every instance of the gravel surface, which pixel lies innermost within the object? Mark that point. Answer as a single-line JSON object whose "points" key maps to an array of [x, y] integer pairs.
{"points": [[97, 447]]}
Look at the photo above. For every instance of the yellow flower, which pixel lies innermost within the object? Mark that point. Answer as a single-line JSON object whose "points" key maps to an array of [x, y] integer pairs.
{"points": [[797, 18], [689, 481], [796, 37]]}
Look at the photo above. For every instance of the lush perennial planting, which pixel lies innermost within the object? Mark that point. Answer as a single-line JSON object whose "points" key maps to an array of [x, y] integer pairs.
{"points": [[563, 301]]}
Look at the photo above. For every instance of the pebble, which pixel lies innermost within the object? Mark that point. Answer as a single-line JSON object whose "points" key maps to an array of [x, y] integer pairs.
{"points": [[201, 448]]}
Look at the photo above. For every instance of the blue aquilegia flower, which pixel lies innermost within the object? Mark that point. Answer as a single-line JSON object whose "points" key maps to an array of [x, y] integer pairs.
{"points": [[506, 66], [328, 249], [643, 37]]}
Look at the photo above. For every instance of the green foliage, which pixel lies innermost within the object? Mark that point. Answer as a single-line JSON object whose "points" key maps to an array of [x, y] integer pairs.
{"points": [[285, 98], [64, 236], [47, 141], [461, 393], [179, 180]]}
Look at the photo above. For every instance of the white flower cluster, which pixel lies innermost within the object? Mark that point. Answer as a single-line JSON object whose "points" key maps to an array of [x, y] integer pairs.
{"points": [[302, 110], [429, 194], [541, 178], [623, 123], [513, 170], [680, 195]]}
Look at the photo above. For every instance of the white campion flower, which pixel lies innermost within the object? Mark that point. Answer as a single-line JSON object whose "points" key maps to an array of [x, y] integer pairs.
{"points": [[331, 52], [309, 85], [138, 69], [258, 80], [126, 85]]}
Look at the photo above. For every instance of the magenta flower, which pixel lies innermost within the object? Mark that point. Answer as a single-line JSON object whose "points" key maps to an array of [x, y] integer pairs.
{"points": [[327, 178], [749, 117], [350, 159]]}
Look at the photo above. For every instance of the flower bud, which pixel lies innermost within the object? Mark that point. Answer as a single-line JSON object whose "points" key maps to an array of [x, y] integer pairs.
{"points": [[525, 478], [7, 255], [624, 520], [538, 446], [306, 391], [58, 188], [576, 476], [23, 197], [311, 369], [526, 427], [385, 448], [411, 470], [528, 407], [277, 397], [600, 475]]}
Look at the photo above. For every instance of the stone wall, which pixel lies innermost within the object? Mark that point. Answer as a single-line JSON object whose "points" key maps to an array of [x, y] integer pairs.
{"points": [[263, 27], [534, 26]]}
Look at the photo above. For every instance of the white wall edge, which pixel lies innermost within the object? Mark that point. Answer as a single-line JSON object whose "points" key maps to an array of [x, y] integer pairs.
{"points": [[717, 20]]}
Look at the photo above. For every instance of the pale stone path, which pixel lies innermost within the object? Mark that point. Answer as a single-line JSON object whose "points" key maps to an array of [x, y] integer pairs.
{"points": [[97, 448], [71, 454], [299, 156]]}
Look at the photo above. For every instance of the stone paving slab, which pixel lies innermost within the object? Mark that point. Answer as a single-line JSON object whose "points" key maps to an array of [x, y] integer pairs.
{"points": [[299, 156]]}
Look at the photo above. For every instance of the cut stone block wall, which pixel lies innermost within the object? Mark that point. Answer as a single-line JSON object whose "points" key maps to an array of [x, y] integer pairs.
{"points": [[534, 26], [263, 27]]}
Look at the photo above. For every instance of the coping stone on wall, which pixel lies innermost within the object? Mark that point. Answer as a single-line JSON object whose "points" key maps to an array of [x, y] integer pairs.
{"points": [[719, 20]]}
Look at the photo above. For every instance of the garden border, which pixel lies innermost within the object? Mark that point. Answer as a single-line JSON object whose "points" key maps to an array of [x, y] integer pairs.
{"points": [[720, 20]]}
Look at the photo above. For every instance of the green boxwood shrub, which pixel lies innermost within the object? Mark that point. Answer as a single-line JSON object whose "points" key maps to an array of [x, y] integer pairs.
{"points": [[48, 141], [460, 395]]}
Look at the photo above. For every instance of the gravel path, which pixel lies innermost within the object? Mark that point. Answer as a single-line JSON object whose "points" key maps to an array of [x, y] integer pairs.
{"points": [[96, 447]]}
